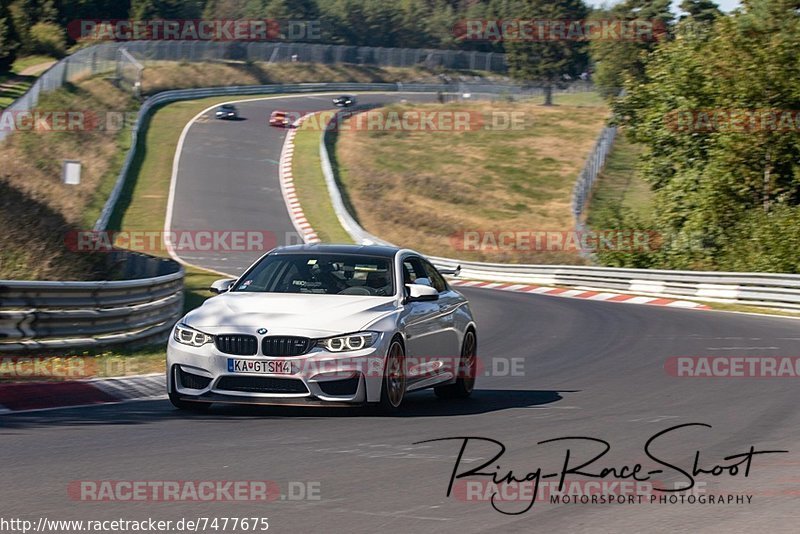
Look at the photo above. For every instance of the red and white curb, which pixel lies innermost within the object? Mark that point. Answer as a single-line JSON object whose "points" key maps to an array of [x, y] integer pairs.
{"points": [[582, 294], [299, 220], [18, 397]]}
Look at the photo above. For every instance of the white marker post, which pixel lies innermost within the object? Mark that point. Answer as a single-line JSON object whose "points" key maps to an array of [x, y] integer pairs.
{"points": [[71, 172]]}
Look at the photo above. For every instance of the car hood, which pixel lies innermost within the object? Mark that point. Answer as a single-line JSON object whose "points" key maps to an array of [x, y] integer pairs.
{"points": [[288, 314]]}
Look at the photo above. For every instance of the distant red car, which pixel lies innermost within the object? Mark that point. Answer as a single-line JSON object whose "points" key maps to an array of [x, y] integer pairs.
{"points": [[279, 118]]}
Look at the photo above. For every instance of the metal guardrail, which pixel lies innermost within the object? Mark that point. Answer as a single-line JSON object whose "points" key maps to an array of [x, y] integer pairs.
{"points": [[780, 291], [57, 316]]}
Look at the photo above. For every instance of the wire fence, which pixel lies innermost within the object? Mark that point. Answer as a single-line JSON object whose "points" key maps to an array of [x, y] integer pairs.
{"points": [[584, 185], [146, 51]]}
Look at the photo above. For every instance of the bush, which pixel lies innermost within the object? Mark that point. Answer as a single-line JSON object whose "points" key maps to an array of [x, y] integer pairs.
{"points": [[765, 242], [47, 39]]}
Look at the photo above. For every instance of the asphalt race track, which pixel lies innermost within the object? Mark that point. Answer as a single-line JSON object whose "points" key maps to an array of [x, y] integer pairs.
{"points": [[581, 369]]}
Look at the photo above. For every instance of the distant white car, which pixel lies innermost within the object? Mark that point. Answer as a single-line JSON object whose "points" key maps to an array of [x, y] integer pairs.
{"points": [[226, 112], [325, 324]]}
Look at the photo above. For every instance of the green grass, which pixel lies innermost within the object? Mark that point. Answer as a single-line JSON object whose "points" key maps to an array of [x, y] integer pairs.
{"points": [[312, 190], [621, 185], [588, 99]]}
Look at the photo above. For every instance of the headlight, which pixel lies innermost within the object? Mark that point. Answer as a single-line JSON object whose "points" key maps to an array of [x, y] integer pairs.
{"points": [[357, 341], [190, 336]]}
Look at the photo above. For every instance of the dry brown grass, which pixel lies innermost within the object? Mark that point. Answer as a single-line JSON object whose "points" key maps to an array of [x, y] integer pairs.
{"points": [[37, 210], [421, 189], [31, 161]]}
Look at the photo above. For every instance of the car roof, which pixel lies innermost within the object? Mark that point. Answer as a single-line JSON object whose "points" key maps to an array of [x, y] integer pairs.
{"points": [[366, 250], [227, 106]]}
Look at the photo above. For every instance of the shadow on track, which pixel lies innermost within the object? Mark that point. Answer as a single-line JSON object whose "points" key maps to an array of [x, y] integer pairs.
{"points": [[423, 404]]}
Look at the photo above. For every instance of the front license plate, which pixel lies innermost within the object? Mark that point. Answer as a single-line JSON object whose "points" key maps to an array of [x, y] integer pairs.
{"points": [[273, 367]]}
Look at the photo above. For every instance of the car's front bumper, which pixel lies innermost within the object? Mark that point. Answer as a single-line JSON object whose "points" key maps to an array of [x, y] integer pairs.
{"points": [[319, 377]]}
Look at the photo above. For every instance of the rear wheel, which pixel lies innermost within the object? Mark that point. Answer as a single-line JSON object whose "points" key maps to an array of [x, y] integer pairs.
{"points": [[394, 378], [465, 383]]}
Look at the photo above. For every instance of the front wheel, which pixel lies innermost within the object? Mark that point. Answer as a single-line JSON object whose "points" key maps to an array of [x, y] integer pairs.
{"points": [[465, 383], [394, 378]]}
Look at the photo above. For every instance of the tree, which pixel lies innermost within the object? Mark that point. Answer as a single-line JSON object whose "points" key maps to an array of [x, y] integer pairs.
{"points": [[547, 60], [9, 39], [712, 113], [619, 60], [363, 22], [47, 39], [701, 10], [165, 9]]}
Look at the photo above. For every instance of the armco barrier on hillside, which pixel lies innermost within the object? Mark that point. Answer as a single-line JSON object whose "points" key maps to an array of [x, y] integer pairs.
{"points": [[63, 316]]}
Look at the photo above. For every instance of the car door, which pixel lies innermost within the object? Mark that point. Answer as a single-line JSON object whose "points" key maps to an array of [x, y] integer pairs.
{"points": [[424, 326]]}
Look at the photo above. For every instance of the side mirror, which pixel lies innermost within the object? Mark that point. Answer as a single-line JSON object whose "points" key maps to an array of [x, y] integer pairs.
{"points": [[221, 286], [421, 293], [446, 271]]}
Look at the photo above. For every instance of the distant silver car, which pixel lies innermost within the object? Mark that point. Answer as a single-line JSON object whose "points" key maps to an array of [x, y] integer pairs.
{"points": [[227, 111], [325, 324], [344, 101]]}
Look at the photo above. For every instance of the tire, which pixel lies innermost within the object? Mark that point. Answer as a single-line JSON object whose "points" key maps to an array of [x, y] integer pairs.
{"points": [[465, 383], [393, 389], [190, 406]]}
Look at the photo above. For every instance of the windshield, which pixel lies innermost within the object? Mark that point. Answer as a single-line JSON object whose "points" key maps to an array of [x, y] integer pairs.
{"points": [[320, 274]]}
